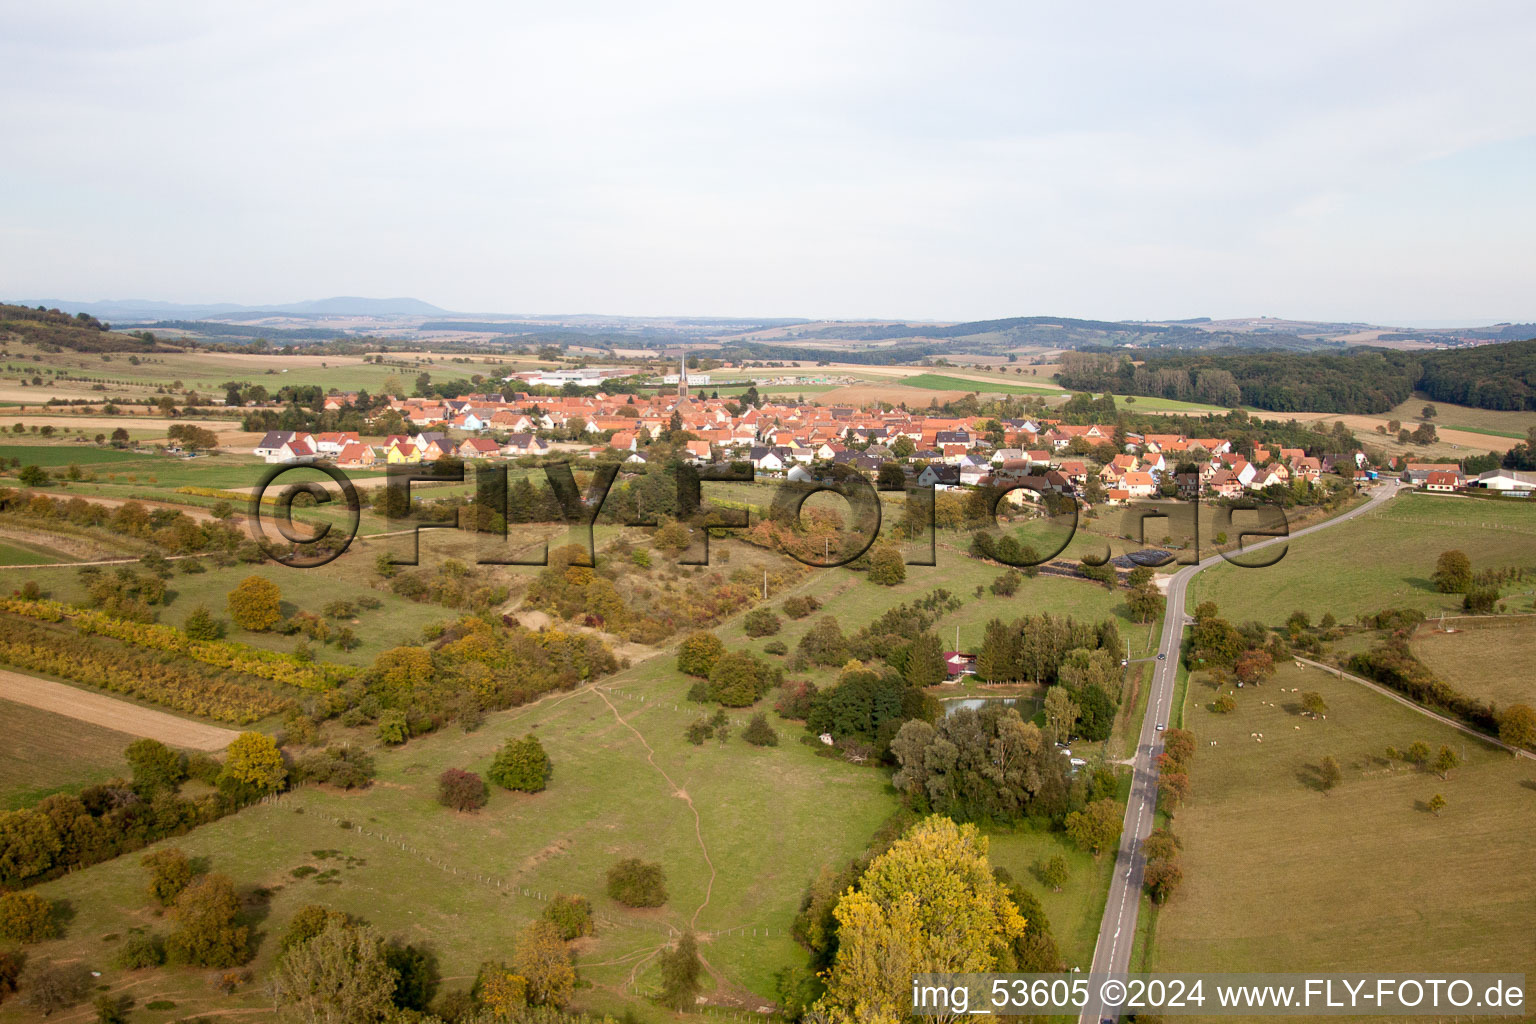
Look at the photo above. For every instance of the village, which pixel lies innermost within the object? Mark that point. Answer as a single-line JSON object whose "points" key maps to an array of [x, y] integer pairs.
{"points": [[1100, 463]]}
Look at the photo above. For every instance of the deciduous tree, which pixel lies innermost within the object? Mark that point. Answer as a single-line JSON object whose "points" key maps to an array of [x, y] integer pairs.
{"points": [[522, 765], [255, 604], [1096, 827]]}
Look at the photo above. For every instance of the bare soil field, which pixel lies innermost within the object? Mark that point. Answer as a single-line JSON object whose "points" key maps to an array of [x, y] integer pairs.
{"points": [[110, 713]]}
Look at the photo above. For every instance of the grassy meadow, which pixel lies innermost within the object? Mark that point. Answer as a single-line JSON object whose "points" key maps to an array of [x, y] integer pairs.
{"points": [[1381, 560], [1282, 876], [1482, 657]]}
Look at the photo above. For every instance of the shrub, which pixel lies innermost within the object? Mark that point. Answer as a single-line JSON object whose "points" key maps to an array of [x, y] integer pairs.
{"points": [[635, 883], [571, 915], [201, 625], [461, 790], [759, 733], [342, 767], [139, 952], [761, 622], [26, 917], [799, 606], [522, 765], [777, 647]]}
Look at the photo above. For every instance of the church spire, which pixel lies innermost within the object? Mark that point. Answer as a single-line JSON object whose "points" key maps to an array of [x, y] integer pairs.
{"points": [[682, 374]]}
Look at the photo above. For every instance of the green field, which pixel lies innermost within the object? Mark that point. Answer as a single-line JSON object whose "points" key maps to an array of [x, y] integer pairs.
{"points": [[1380, 560], [942, 382], [18, 553], [1481, 657], [45, 753], [1282, 877], [62, 454]]}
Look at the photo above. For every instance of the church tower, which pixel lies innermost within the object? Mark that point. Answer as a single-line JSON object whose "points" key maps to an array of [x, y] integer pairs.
{"points": [[682, 375]]}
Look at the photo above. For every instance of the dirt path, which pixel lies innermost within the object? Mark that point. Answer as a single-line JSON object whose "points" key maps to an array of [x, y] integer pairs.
{"points": [[682, 794], [111, 713]]}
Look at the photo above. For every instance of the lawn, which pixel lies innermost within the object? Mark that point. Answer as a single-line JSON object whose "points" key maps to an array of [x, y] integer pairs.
{"points": [[1282, 877], [1482, 657], [1075, 911], [45, 753], [1380, 560]]}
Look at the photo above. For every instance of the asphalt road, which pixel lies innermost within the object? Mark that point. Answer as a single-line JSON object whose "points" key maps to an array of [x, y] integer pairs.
{"points": [[1117, 931]]}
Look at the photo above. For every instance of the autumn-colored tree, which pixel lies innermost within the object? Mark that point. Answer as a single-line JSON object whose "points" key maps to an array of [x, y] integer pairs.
{"points": [[697, 654], [1436, 804], [1224, 704], [1096, 827], [928, 904], [256, 604], [1174, 787], [253, 762], [208, 930], [26, 917], [571, 915], [500, 991], [1253, 666], [1162, 877], [1517, 726], [522, 765], [1313, 704], [1446, 761], [169, 873], [886, 566], [461, 790], [543, 961]]}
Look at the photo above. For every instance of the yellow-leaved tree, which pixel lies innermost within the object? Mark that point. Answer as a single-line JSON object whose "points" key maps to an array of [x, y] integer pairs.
{"points": [[928, 904]]}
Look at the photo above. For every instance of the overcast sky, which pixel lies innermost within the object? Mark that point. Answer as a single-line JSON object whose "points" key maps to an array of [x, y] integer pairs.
{"points": [[1355, 161]]}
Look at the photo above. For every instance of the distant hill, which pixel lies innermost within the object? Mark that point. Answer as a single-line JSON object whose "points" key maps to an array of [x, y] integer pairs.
{"points": [[53, 329], [982, 336], [145, 310]]}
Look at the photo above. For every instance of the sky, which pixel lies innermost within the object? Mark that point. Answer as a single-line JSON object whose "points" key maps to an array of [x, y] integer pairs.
{"points": [[947, 161]]}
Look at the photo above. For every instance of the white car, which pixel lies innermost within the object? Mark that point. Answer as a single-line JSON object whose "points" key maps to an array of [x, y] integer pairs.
{"points": [[1160, 726]]}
